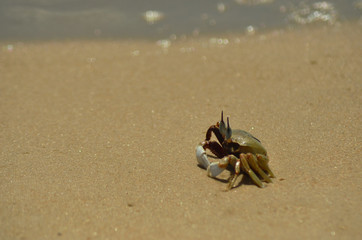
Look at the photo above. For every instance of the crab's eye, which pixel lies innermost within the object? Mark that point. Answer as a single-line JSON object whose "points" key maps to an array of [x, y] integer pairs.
{"points": [[222, 126], [228, 130]]}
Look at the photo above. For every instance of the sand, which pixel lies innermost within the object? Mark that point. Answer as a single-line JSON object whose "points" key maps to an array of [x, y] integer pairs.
{"points": [[98, 137]]}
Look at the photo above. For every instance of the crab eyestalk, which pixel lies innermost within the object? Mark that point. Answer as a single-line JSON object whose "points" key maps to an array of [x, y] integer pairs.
{"points": [[228, 130], [222, 127]]}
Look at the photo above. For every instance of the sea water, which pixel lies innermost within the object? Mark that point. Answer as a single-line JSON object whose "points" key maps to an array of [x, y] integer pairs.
{"points": [[163, 19]]}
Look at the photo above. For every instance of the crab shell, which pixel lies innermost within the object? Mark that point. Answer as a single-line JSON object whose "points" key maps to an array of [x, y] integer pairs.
{"points": [[243, 142]]}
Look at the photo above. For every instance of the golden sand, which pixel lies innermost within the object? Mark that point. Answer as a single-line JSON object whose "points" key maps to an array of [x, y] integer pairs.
{"points": [[98, 138]]}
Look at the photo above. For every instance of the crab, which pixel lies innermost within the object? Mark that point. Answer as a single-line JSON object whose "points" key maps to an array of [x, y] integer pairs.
{"points": [[237, 151]]}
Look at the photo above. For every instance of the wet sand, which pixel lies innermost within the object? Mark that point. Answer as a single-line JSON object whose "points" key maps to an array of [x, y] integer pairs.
{"points": [[98, 138]]}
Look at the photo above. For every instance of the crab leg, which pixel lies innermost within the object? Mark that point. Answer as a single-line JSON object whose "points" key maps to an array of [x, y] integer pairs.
{"points": [[263, 163], [245, 166], [214, 147], [232, 180], [216, 168], [254, 165], [216, 131], [234, 161]]}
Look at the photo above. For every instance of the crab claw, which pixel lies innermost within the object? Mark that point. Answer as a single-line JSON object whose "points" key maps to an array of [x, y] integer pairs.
{"points": [[213, 170], [201, 156]]}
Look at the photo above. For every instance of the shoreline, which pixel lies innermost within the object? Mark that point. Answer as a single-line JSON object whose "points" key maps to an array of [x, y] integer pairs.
{"points": [[173, 38]]}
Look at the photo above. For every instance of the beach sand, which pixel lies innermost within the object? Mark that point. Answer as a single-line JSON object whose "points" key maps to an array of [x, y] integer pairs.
{"points": [[98, 137]]}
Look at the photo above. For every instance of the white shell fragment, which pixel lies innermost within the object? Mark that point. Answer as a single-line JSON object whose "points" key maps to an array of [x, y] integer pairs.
{"points": [[213, 170], [201, 157]]}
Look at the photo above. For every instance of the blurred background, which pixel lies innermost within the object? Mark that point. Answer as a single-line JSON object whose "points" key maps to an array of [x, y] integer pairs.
{"points": [[160, 19]]}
